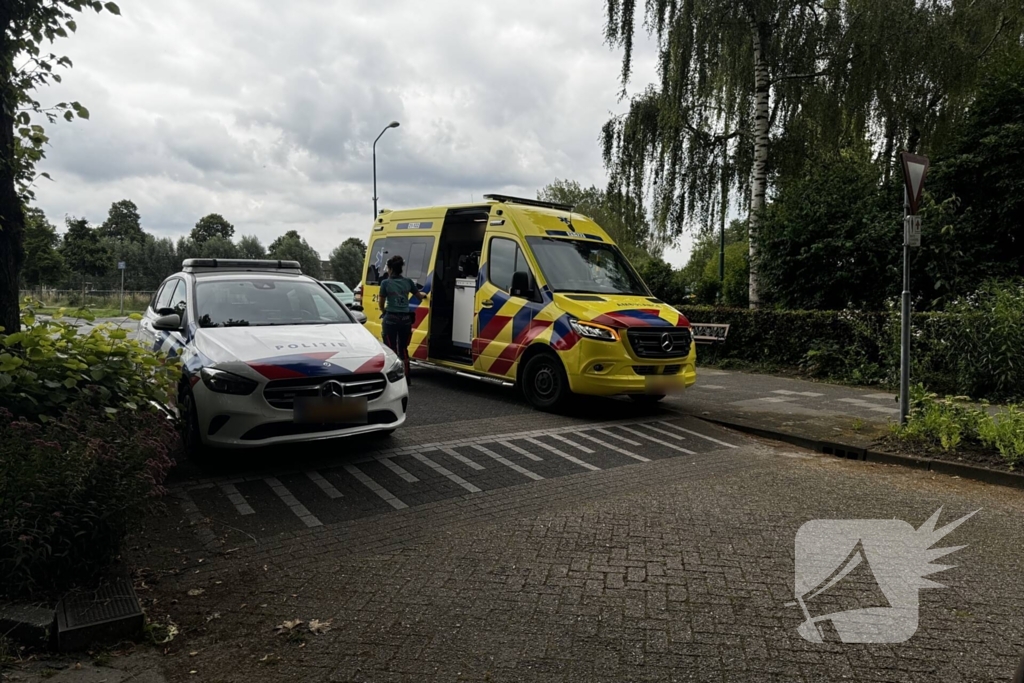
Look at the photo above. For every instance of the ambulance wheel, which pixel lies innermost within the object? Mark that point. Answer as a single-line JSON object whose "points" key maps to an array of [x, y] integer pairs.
{"points": [[646, 399], [545, 383]]}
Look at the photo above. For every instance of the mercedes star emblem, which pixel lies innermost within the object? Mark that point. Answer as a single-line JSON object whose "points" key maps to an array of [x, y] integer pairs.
{"points": [[332, 388], [666, 342]]}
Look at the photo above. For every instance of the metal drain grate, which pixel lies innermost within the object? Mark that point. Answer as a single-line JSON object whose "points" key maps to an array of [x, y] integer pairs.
{"points": [[111, 612]]}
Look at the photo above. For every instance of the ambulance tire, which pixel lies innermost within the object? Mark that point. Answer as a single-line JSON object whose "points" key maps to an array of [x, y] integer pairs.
{"points": [[545, 384]]}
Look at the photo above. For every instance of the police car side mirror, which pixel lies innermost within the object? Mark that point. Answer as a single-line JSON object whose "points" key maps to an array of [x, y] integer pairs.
{"points": [[360, 317], [168, 323]]}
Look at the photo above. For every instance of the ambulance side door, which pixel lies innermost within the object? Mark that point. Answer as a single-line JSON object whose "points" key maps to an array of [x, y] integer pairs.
{"points": [[503, 318]]}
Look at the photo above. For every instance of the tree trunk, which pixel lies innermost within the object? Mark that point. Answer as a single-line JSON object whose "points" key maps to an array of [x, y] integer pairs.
{"points": [[890, 143], [759, 172], [12, 217]]}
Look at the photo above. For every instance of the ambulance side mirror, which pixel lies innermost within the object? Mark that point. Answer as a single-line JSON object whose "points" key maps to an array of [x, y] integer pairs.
{"points": [[521, 284]]}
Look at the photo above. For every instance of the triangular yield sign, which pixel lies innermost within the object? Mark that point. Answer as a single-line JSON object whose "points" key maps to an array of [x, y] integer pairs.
{"points": [[915, 168]]}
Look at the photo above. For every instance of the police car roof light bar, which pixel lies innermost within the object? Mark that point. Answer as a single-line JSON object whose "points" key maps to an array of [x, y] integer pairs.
{"points": [[529, 202], [192, 265]]}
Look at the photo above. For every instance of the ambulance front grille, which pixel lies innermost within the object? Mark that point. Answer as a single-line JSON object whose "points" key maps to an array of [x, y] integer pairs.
{"points": [[281, 393], [660, 342]]}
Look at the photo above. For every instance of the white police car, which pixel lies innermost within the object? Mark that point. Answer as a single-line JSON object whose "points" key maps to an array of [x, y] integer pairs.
{"points": [[270, 356]]}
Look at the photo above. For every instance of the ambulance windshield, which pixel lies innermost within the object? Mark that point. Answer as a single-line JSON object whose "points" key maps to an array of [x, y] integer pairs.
{"points": [[585, 267]]}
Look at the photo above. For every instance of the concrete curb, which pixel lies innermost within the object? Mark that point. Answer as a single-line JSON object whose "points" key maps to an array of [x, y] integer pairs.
{"points": [[985, 474]]}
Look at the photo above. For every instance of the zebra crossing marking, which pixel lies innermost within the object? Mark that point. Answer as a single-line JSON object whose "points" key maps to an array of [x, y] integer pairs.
{"points": [[237, 499], [507, 463], [292, 502], [369, 483], [555, 451], [440, 469], [325, 486]]}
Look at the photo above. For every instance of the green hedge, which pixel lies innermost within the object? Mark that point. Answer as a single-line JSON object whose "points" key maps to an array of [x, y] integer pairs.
{"points": [[970, 353]]}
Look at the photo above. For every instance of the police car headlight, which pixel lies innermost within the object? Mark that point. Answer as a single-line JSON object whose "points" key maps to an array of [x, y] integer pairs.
{"points": [[396, 371], [227, 383], [593, 330]]}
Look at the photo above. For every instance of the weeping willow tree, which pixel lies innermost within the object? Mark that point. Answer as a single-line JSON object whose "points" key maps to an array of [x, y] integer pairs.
{"points": [[747, 88]]}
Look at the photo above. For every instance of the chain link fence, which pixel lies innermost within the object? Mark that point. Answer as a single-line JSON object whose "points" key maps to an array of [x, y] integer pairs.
{"points": [[96, 298]]}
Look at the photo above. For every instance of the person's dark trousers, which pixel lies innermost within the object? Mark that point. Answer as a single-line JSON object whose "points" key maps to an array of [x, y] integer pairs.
{"points": [[397, 333]]}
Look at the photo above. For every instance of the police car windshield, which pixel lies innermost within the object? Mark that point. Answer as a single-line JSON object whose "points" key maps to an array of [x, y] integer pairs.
{"points": [[258, 302], [586, 267]]}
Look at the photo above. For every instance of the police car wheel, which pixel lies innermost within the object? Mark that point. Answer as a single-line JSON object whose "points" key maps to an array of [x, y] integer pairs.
{"points": [[191, 438], [545, 383]]}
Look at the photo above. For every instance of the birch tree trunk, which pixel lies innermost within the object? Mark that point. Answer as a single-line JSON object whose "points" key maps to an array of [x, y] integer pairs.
{"points": [[759, 171]]}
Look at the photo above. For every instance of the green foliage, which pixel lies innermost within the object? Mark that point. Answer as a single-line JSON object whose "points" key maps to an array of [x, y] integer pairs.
{"points": [[83, 250], [43, 263], [620, 216], [292, 247], [831, 239], [972, 350], [1005, 433], [347, 261], [948, 424], [250, 246], [123, 223], [663, 282], [734, 290], [218, 246], [49, 365], [69, 488], [210, 226]]}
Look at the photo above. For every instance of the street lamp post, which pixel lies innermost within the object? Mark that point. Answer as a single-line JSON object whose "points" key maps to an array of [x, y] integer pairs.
{"points": [[393, 124]]}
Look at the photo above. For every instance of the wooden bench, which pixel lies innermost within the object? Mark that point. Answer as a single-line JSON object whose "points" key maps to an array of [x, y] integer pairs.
{"points": [[709, 333]]}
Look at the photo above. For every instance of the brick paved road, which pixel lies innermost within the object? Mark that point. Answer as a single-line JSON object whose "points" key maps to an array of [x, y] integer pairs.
{"points": [[677, 568]]}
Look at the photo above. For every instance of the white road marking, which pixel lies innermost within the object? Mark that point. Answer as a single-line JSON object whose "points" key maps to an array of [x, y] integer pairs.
{"points": [[397, 469], [521, 451], [446, 472], [612, 447], [881, 397], [657, 441], [237, 498], [561, 438], [856, 401], [461, 458], [775, 399], [786, 392], [572, 459], [620, 438], [708, 386], [324, 485], [698, 434], [375, 487], [298, 508], [508, 463]]}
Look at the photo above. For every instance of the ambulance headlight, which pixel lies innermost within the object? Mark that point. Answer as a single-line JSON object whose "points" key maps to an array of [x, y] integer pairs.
{"points": [[593, 330], [396, 370]]}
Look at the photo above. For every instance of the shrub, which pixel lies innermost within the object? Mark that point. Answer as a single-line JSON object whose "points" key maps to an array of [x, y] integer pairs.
{"points": [[943, 423], [70, 488], [972, 349], [1005, 433], [48, 365]]}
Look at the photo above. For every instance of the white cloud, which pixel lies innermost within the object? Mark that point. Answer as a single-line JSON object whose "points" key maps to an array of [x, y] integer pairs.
{"points": [[265, 112]]}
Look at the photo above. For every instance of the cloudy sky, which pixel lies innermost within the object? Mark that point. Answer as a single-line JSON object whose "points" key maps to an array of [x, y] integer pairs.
{"points": [[265, 111]]}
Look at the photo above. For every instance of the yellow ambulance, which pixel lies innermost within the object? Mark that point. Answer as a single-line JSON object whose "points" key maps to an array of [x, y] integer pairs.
{"points": [[528, 292]]}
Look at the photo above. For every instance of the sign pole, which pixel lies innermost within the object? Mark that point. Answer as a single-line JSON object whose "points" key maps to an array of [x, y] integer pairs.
{"points": [[905, 320], [121, 267], [915, 168]]}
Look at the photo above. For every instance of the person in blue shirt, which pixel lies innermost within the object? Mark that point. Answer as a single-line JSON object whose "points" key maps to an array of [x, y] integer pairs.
{"points": [[395, 292]]}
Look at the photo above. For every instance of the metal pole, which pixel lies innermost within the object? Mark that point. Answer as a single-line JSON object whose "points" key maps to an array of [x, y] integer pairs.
{"points": [[375, 177], [905, 321], [122, 291]]}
